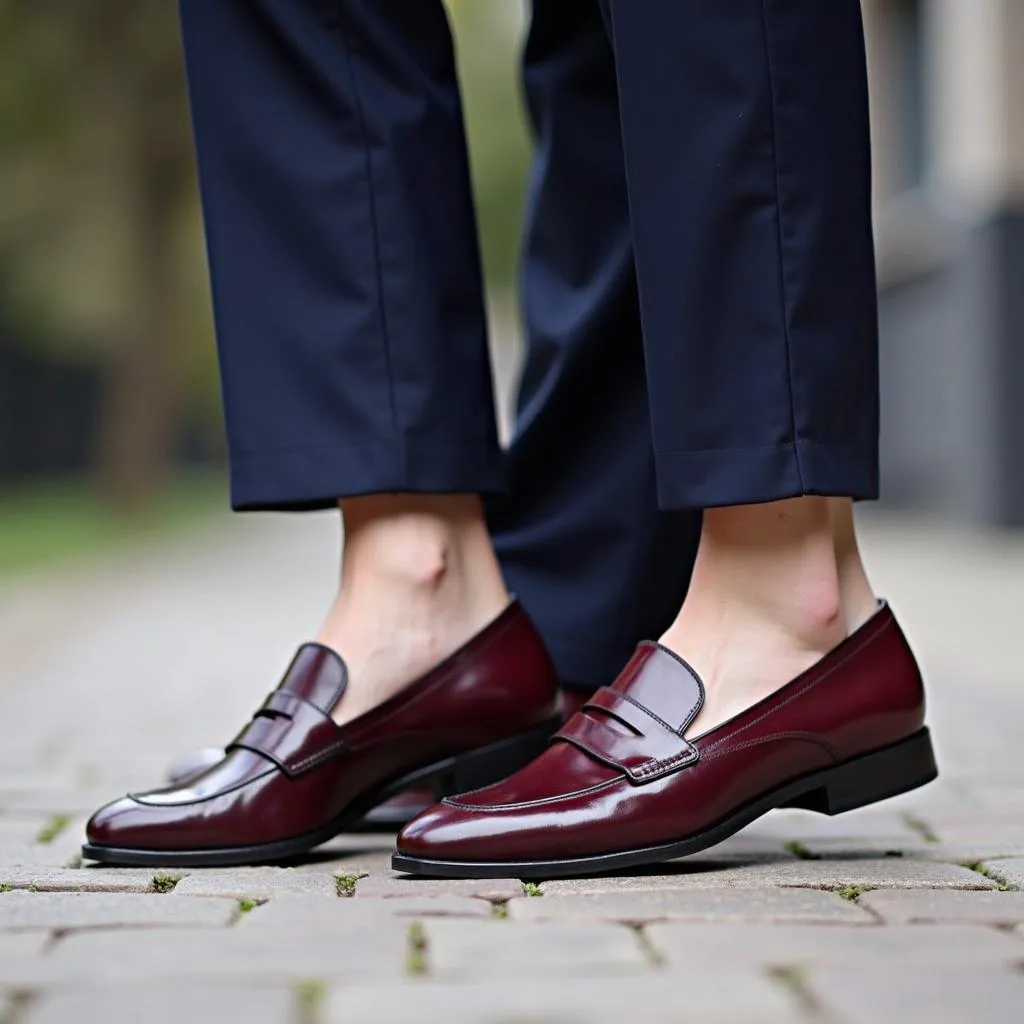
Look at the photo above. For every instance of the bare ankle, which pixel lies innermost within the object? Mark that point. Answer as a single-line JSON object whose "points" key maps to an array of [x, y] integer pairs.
{"points": [[774, 562], [858, 598]]}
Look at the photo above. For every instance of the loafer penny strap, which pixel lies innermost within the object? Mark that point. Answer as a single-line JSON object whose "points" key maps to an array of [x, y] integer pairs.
{"points": [[649, 748], [293, 733]]}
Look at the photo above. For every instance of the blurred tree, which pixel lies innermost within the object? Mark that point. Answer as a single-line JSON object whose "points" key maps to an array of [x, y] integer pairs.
{"points": [[97, 201], [100, 239], [488, 39]]}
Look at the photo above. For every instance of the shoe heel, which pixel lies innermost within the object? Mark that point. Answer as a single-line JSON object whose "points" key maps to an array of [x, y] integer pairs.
{"points": [[872, 777], [493, 763]]}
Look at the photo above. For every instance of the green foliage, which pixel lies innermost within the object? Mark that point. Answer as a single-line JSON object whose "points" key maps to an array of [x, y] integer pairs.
{"points": [[345, 885], [487, 44], [63, 522], [416, 962], [853, 892], [53, 828], [165, 883], [532, 889]]}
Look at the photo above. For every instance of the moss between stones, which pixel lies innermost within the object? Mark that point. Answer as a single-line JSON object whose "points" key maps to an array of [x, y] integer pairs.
{"points": [[54, 827], [345, 885], [416, 962]]}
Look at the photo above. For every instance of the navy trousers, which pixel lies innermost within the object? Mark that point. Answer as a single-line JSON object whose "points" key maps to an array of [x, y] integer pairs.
{"points": [[698, 279]]}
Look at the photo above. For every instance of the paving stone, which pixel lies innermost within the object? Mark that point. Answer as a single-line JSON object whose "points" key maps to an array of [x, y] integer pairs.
{"points": [[881, 873], [17, 944], [69, 800], [377, 948], [317, 913], [78, 879], [37, 855], [787, 824], [766, 905], [970, 851], [64, 910], [748, 946], [257, 883], [352, 854], [918, 905], [17, 830], [898, 994], [501, 948], [1007, 872], [162, 1004], [715, 996], [499, 889]]}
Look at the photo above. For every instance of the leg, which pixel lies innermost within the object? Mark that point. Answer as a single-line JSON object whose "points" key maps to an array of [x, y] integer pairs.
{"points": [[352, 343], [755, 267], [579, 534], [345, 271], [745, 134]]}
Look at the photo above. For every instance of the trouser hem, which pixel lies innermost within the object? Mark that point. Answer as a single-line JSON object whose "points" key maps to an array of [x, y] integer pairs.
{"points": [[315, 477], [749, 476]]}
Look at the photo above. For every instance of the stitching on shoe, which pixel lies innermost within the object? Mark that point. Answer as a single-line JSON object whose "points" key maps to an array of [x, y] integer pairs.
{"points": [[324, 754], [771, 738], [525, 804], [887, 623]]}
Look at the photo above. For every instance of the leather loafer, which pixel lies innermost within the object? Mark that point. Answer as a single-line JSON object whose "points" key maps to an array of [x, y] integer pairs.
{"points": [[621, 785], [293, 778], [388, 816]]}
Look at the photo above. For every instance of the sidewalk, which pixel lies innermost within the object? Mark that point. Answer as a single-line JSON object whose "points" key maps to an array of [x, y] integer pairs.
{"points": [[902, 912]]}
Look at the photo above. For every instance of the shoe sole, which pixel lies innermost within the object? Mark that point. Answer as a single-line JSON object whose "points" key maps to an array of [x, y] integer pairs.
{"points": [[863, 780], [457, 774]]}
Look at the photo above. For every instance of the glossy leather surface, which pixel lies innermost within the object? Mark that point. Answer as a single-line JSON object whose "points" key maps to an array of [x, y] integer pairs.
{"points": [[620, 775], [292, 770]]}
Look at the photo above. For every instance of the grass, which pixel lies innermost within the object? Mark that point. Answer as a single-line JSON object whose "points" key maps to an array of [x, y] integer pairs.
{"points": [[852, 892], [979, 868], [165, 883], [532, 889], [244, 906], [5, 887], [499, 911], [416, 962], [53, 828], [311, 995], [345, 885], [799, 850], [55, 523], [920, 827]]}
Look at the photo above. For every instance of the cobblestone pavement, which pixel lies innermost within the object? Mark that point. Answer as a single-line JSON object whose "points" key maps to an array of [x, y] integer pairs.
{"points": [[911, 910]]}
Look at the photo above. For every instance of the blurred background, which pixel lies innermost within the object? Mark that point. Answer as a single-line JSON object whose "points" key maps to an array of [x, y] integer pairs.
{"points": [[110, 425]]}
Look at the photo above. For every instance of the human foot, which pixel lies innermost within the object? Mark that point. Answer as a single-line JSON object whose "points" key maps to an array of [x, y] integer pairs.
{"points": [[766, 601], [419, 579], [620, 786], [293, 778]]}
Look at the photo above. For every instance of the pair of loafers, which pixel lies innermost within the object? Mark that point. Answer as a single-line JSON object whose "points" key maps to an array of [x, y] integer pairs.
{"points": [[619, 784]]}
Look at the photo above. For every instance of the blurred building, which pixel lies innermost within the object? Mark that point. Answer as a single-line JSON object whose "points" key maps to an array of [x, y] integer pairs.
{"points": [[948, 110]]}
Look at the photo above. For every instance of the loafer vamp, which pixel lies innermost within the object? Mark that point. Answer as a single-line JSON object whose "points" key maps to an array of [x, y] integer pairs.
{"points": [[622, 776]]}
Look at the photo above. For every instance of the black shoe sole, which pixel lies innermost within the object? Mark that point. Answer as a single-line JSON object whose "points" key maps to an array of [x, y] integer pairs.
{"points": [[458, 774], [881, 774]]}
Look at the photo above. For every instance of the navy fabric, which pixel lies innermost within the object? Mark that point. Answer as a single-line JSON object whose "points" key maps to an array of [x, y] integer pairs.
{"points": [[745, 128], [343, 253], [702, 169], [579, 532]]}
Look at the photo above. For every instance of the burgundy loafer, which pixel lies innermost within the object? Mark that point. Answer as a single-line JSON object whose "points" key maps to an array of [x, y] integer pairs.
{"points": [[293, 778], [385, 817], [620, 785]]}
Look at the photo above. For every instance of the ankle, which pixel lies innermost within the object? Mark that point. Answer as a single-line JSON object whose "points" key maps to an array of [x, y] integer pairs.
{"points": [[859, 601], [416, 542], [772, 568]]}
